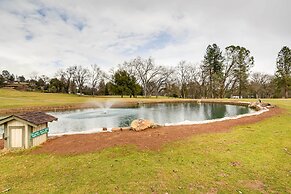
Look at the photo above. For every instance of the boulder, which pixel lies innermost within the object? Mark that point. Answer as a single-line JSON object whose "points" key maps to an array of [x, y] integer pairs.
{"points": [[141, 124], [259, 106], [255, 105]]}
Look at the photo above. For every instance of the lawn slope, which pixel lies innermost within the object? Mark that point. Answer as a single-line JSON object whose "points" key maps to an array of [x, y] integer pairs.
{"points": [[13, 99], [250, 159]]}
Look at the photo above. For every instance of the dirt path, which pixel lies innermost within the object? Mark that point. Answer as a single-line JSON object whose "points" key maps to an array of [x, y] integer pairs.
{"points": [[152, 139]]}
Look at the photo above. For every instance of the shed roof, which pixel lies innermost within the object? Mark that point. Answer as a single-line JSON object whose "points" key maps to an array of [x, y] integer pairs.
{"points": [[35, 118]]}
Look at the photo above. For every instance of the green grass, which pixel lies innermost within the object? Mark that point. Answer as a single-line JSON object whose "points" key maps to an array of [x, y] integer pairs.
{"points": [[250, 159], [20, 99]]}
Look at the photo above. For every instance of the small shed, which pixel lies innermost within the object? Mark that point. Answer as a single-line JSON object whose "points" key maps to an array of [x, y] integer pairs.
{"points": [[26, 130]]}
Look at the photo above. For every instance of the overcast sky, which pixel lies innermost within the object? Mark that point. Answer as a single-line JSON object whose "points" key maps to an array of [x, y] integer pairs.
{"points": [[43, 36]]}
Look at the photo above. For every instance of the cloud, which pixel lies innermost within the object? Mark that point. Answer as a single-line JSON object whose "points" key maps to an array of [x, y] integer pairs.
{"points": [[43, 36]]}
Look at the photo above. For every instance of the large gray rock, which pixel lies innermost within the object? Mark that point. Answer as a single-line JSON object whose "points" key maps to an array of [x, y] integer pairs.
{"points": [[141, 124]]}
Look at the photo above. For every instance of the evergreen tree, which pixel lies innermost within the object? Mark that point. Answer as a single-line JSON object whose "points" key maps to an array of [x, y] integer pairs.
{"points": [[125, 84], [2, 80], [242, 63], [213, 69], [283, 72]]}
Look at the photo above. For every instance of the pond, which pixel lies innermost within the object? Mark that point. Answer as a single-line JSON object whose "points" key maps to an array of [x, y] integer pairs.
{"points": [[92, 120]]}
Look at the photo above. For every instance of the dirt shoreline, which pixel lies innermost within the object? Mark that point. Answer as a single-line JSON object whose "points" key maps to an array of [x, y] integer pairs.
{"points": [[151, 139], [7, 111]]}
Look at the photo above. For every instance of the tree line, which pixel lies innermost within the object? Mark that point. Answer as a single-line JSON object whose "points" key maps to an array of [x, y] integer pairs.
{"points": [[222, 73]]}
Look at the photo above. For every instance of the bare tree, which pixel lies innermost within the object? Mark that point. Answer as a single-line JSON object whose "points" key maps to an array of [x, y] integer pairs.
{"points": [[229, 79], [184, 76], [195, 81], [95, 77], [81, 77], [68, 76], [34, 75], [259, 84], [129, 67], [45, 79], [151, 77], [145, 71], [162, 79]]}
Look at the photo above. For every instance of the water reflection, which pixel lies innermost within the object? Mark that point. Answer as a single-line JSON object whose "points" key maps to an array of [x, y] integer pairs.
{"points": [[93, 119]]}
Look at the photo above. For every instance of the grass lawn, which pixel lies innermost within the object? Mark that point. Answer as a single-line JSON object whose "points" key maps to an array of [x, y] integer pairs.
{"points": [[10, 98], [250, 159]]}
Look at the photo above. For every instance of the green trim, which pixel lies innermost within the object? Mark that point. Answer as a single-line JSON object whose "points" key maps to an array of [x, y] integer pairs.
{"points": [[39, 132]]}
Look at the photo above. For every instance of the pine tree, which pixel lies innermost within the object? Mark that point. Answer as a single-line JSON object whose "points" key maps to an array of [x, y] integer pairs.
{"points": [[213, 69], [283, 72]]}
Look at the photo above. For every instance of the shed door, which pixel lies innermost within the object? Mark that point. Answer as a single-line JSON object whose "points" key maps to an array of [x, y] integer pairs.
{"points": [[16, 138]]}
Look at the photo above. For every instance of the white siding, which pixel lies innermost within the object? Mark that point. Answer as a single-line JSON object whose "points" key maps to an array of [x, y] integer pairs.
{"points": [[28, 141], [15, 123], [40, 139], [16, 138]]}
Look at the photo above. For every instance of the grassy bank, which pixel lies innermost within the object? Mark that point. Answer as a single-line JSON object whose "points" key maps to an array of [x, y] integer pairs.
{"points": [[250, 159], [13, 99], [18, 99]]}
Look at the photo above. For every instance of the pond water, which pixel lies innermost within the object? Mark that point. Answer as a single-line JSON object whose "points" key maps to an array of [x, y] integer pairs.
{"points": [[91, 120]]}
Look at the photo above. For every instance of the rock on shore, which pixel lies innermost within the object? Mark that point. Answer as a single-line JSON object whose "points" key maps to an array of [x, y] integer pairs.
{"points": [[141, 124], [259, 106]]}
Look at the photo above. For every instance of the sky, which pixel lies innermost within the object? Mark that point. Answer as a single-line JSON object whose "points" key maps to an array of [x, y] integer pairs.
{"points": [[44, 36]]}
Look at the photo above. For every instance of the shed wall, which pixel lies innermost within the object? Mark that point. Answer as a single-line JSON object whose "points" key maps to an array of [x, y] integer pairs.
{"points": [[5, 135], [40, 139], [15, 123]]}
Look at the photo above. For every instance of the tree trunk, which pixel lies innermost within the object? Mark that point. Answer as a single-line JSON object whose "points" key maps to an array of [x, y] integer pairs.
{"points": [[157, 93], [68, 87], [286, 91], [211, 86], [239, 88], [222, 93], [145, 90]]}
